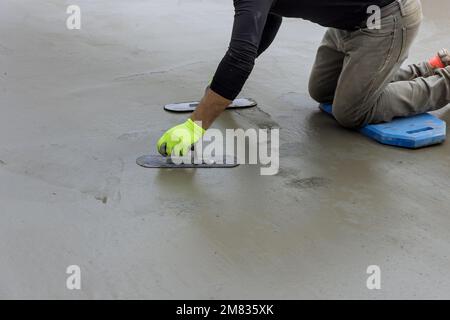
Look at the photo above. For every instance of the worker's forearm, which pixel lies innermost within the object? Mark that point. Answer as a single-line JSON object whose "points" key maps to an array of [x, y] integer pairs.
{"points": [[210, 107]]}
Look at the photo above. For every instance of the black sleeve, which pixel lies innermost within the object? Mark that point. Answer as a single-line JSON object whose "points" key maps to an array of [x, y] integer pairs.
{"points": [[270, 31], [251, 17]]}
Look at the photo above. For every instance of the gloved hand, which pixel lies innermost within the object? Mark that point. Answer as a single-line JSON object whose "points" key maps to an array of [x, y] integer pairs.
{"points": [[179, 139]]}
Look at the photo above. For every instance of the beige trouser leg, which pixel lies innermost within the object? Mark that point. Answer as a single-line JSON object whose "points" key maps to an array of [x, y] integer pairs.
{"points": [[359, 71]]}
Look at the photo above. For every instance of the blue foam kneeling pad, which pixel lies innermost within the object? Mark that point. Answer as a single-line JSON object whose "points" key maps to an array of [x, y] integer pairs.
{"points": [[411, 132]]}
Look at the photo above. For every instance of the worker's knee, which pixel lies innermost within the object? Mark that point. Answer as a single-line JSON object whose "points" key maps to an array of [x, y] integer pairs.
{"points": [[318, 93], [348, 117]]}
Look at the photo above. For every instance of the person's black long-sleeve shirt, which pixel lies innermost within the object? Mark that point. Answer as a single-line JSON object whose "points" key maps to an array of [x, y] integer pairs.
{"points": [[256, 23]]}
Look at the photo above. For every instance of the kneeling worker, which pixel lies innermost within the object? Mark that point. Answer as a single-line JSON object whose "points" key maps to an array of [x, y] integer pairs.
{"points": [[357, 68]]}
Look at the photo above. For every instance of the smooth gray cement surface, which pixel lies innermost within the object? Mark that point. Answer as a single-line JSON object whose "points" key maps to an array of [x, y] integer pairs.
{"points": [[79, 106]]}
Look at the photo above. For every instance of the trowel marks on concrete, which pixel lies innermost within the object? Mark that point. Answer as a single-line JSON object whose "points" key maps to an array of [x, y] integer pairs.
{"points": [[259, 118]]}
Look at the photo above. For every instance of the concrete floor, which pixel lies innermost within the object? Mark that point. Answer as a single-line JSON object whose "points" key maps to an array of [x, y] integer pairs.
{"points": [[78, 107]]}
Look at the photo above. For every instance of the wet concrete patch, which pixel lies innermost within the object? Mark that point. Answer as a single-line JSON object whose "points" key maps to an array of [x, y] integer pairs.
{"points": [[292, 149], [103, 199], [292, 98], [5, 50], [144, 75], [258, 117], [308, 183], [134, 135], [293, 178]]}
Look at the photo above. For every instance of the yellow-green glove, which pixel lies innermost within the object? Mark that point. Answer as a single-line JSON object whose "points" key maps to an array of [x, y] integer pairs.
{"points": [[179, 139]]}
